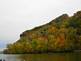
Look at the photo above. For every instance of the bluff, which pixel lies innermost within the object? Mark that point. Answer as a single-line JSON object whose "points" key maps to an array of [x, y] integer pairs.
{"points": [[60, 35]]}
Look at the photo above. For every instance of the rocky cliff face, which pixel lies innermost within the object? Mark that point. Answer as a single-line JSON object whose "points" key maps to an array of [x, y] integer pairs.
{"points": [[61, 34]]}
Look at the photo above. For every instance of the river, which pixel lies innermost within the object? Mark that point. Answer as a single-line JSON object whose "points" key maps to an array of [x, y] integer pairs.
{"points": [[42, 57]]}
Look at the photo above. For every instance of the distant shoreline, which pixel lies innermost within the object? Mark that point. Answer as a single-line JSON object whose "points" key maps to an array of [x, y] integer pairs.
{"points": [[73, 51]]}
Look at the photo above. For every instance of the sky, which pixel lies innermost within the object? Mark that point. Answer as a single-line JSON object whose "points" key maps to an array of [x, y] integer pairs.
{"points": [[16, 16]]}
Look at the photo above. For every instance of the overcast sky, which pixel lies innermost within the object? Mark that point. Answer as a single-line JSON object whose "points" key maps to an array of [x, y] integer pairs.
{"points": [[17, 16]]}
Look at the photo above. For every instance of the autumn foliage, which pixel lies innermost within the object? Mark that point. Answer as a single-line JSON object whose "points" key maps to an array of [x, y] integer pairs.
{"points": [[61, 34]]}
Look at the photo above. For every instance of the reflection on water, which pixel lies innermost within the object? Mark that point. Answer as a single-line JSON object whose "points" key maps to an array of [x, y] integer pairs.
{"points": [[43, 57]]}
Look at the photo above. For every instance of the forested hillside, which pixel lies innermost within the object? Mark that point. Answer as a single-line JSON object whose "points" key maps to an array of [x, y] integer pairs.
{"points": [[59, 35]]}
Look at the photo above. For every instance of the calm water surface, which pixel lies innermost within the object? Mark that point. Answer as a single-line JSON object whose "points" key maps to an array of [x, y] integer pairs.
{"points": [[42, 57]]}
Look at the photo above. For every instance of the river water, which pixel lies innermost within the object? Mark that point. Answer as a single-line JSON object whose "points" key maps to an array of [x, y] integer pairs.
{"points": [[42, 57]]}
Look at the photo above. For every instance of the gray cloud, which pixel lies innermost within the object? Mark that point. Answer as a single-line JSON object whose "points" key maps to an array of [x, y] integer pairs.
{"points": [[17, 16]]}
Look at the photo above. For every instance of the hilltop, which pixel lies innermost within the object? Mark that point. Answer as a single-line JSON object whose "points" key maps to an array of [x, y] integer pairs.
{"points": [[59, 35]]}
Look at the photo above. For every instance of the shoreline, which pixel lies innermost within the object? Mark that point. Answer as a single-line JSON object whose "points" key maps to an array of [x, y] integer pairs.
{"points": [[75, 51]]}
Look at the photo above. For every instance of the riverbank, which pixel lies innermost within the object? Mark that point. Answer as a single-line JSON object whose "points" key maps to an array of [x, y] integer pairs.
{"points": [[48, 52]]}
